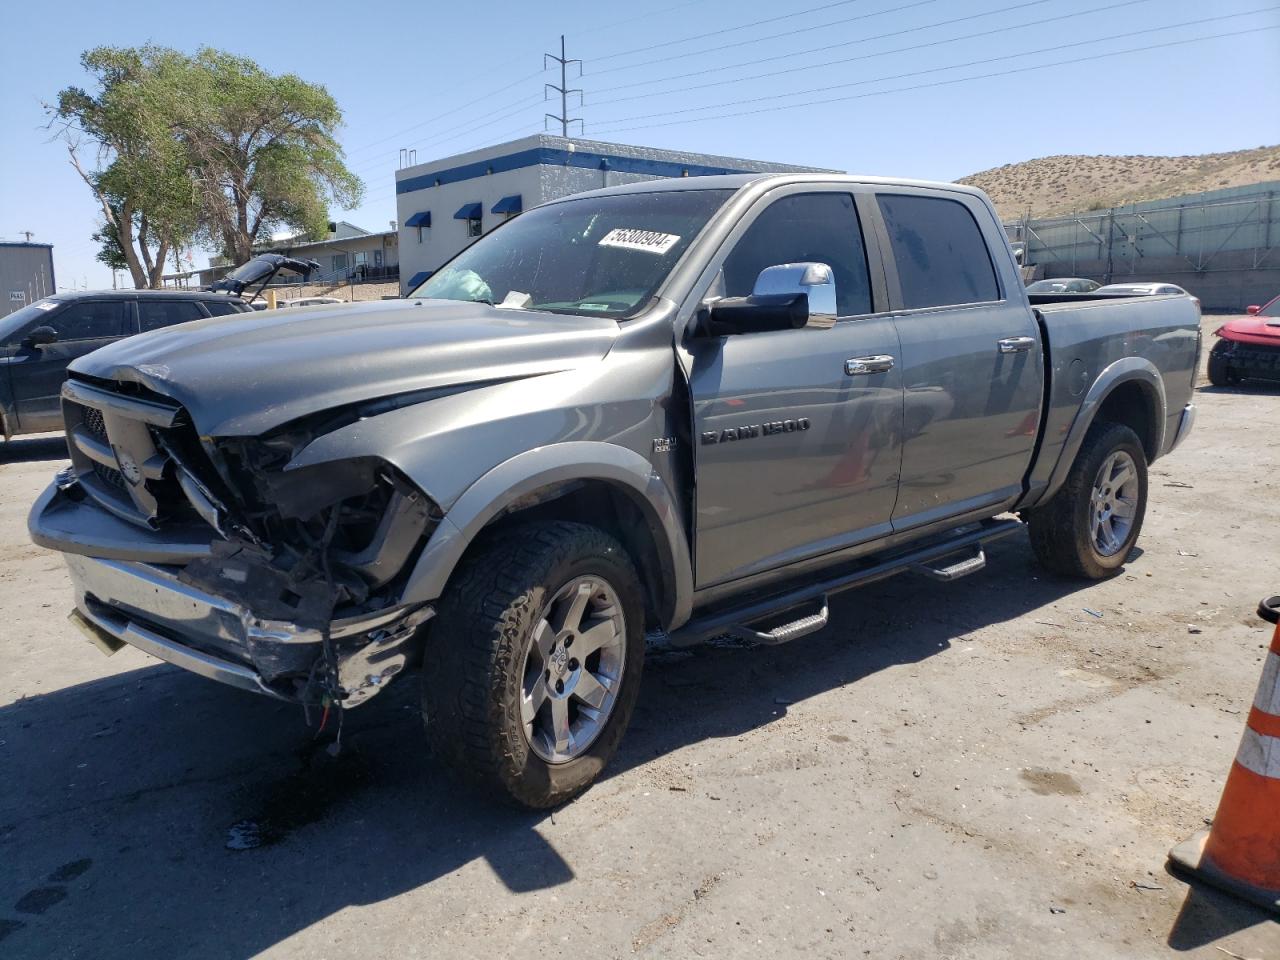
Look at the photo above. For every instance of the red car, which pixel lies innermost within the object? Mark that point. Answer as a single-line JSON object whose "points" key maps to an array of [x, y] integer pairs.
{"points": [[1248, 348]]}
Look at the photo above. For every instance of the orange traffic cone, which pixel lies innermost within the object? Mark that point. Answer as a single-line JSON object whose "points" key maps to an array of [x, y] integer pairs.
{"points": [[1241, 852]]}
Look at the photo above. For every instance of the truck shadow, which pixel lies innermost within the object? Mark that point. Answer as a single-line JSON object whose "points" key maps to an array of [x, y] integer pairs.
{"points": [[155, 813], [1263, 388], [45, 447]]}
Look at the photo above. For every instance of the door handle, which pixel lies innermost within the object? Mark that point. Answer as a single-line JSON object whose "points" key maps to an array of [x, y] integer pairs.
{"points": [[1016, 344], [862, 366]]}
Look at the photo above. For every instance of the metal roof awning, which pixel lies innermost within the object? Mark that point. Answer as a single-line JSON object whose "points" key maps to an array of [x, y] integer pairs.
{"points": [[469, 211], [511, 204], [417, 279], [422, 219]]}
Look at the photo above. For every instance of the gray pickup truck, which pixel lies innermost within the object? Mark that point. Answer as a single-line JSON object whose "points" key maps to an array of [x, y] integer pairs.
{"points": [[656, 413]]}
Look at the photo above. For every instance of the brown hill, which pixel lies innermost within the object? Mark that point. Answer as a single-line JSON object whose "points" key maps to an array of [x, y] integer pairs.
{"points": [[1074, 184]]}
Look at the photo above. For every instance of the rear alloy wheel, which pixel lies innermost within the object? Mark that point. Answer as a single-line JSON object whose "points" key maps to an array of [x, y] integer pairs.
{"points": [[533, 665], [1114, 503], [1089, 526]]}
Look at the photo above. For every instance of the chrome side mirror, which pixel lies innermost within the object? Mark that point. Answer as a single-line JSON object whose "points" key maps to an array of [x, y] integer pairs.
{"points": [[816, 280]]}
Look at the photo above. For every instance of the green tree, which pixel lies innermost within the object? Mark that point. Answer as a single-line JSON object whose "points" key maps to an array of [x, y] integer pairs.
{"points": [[140, 171], [264, 152], [209, 147]]}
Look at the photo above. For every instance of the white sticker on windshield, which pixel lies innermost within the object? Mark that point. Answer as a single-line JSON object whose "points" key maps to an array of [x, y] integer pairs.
{"points": [[45, 304], [650, 241]]}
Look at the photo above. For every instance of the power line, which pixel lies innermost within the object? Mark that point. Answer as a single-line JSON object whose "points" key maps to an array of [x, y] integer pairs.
{"points": [[503, 89], [765, 39], [400, 134], [649, 15], [716, 33], [613, 122], [860, 40], [944, 83], [918, 73], [462, 130], [449, 113]]}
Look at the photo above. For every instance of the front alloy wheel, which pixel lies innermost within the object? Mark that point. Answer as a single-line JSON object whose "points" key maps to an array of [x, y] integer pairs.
{"points": [[573, 667]]}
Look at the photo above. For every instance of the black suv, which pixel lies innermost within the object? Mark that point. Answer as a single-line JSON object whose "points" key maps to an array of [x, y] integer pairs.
{"points": [[38, 341]]}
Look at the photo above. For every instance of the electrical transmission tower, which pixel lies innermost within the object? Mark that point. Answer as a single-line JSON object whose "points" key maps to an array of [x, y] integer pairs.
{"points": [[564, 90]]}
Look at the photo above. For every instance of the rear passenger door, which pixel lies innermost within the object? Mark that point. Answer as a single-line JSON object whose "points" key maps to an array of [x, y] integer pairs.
{"points": [[37, 372], [971, 358]]}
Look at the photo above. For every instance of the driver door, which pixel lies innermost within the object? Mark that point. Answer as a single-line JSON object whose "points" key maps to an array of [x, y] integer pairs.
{"points": [[797, 451], [36, 372]]}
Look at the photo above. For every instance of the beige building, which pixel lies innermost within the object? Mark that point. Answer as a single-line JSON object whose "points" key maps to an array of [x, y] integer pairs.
{"points": [[349, 254]]}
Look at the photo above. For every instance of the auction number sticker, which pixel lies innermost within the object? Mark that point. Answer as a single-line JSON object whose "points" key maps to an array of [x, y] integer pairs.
{"points": [[650, 241]]}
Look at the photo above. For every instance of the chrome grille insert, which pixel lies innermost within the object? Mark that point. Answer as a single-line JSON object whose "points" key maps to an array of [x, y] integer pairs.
{"points": [[114, 452]]}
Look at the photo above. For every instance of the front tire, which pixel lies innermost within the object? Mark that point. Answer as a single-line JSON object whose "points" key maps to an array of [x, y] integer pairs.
{"points": [[1089, 526], [533, 667], [1220, 374]]}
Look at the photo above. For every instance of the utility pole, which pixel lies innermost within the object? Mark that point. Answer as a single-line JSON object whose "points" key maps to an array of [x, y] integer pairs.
{"points": [[564, 90], [28, 234]]}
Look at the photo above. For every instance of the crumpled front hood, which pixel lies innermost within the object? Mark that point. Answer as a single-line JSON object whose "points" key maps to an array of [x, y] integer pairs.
{"points": [[244, 374], [1257, 329]]}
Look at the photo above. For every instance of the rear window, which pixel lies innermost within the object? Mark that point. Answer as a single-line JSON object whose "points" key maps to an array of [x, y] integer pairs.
{"points": [[941, 257], [153, 314], [221, 308]]}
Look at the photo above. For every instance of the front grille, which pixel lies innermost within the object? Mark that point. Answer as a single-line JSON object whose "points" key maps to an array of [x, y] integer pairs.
{"points": [[113, 477], [1252, 356], [114, 439], [94, 422], [96, 426]]}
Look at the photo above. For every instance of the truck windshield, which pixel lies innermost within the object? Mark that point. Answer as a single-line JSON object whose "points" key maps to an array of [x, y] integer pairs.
{"points": [[598, 256]]}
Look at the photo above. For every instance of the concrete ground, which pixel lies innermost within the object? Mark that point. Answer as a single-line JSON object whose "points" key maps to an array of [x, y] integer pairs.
{"points": [[982, 769]]}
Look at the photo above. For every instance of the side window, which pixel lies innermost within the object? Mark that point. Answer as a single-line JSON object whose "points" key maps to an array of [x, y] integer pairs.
{"points": [[91, 320], [220, 308], [153, 314], [805, 227], [938, 248]]}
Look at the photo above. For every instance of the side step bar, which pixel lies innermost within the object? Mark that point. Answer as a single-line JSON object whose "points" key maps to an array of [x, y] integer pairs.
{"points": [[921, 559], [961, 568], [788, 631]]}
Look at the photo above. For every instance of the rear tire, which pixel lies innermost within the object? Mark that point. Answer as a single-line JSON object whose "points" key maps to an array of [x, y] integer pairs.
{"points": [[533, 666], [1089, 526]]}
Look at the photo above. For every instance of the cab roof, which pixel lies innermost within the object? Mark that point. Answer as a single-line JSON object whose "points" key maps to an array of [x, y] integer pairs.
{"points": [[145, 294], [736, 181]]}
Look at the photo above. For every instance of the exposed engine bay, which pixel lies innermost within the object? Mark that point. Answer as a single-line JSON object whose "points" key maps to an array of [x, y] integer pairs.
{"points": [[312, 558]]}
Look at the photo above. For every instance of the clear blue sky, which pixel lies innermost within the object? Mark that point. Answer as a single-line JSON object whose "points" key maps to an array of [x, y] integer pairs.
{"points": [[401, 71]]}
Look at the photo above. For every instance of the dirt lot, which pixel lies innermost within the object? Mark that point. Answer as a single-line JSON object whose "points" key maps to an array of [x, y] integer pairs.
{"points": [[980, 769]]}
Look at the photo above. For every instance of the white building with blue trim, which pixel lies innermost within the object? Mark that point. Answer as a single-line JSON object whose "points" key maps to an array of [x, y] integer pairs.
{"points": [[442, 206]]}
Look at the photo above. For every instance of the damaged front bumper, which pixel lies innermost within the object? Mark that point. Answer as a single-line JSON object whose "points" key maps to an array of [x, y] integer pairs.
{"points": [[146, 606]]}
